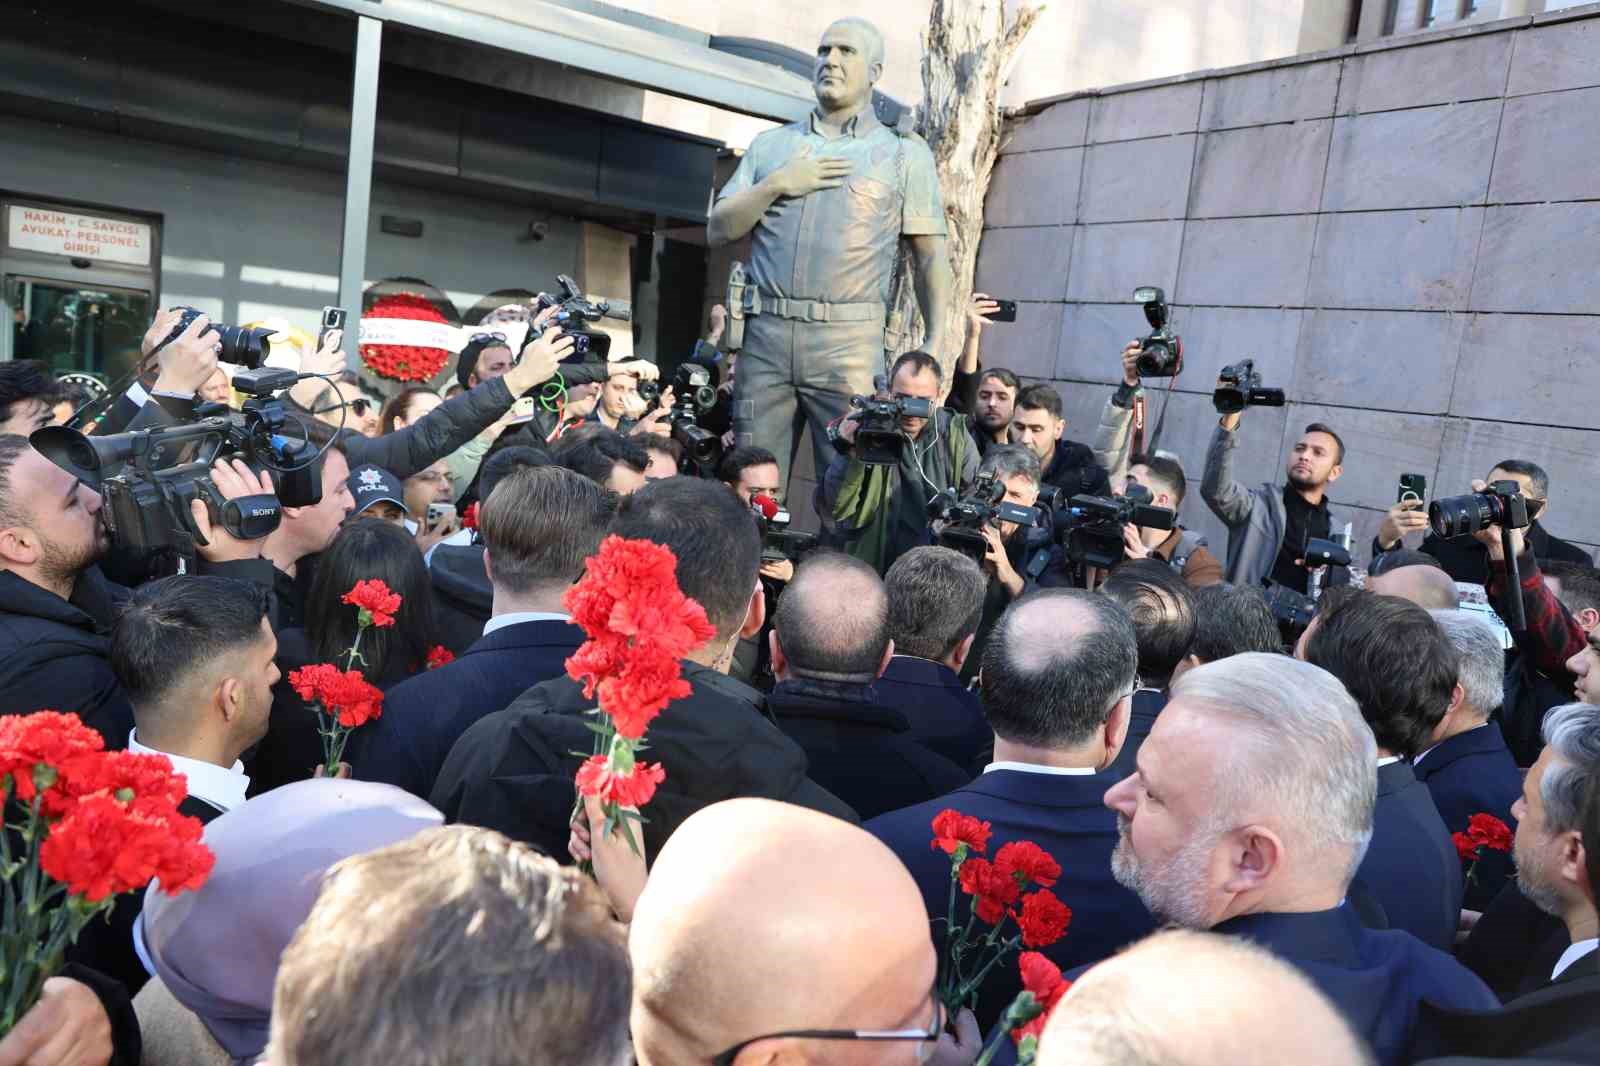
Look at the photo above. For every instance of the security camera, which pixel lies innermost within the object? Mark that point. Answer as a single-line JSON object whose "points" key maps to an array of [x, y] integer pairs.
{"points": [[538, 231]]}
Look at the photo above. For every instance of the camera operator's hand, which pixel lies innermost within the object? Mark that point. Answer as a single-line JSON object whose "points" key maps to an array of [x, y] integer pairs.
{"points": [[542, 319], [67, 1027], [189, 360], [643, 369], [159, 329], [233, 480], [1000, 562], [806, 174], [1403, 518], [1133, 546], [539, 361], [656, 421], [847, 428], [1130, 362], [781, 570], [1229, 422]]}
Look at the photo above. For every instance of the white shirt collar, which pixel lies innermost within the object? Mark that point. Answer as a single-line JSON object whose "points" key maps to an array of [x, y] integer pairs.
{"points": [[1035, 768], [1387, 759], [1572, 955], [1424, 755], [500, 621], [222, 788]]}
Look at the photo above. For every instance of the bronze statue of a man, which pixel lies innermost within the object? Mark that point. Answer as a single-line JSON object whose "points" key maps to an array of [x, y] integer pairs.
{"points": [[829, 200]]}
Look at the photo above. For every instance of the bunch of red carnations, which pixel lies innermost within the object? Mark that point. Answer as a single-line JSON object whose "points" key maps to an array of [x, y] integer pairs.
{"points": [[995, 896], [81, 825], [344, 699], [1484, 833], [639, 626]]}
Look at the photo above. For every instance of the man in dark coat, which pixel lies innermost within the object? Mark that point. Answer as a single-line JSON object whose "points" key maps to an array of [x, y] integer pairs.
{"points": [[830, 640], [1395, 661], [1037, 424], [1162, 608], [1056, 684], [538, 527], [513, 770]]}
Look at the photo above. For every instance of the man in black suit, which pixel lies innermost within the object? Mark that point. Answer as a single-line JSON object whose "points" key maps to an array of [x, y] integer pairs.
{"points": [[1395, 661], [1467, 768], [538, 524], [935, 604], [829, 642], [1057, 683], [1558, 865], [1161, 605], [1250, 809], [1229, 620]]}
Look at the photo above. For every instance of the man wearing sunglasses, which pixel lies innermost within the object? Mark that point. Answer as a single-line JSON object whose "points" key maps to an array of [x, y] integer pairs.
{"points": [[346, 403], [1466, 559]]}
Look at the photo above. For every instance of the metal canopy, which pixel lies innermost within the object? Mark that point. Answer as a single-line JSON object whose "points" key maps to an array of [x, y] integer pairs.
{"points": [[610, 49]]}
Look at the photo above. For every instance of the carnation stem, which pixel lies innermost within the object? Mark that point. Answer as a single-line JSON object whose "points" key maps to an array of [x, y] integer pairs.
{"points": [[972, 986]]}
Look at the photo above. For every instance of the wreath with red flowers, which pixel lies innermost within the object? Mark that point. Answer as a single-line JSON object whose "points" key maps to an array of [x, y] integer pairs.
{"points": [[403, 362]]}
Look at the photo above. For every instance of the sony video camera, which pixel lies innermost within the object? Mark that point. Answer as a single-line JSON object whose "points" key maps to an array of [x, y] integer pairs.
{"points": [[1090, 527], [778, 541], [149, 477], [575, 309], [878, 437], [1241, 388], [692, 396], [244, 347], [1501, 504], [1161, 353], [964, 517]]}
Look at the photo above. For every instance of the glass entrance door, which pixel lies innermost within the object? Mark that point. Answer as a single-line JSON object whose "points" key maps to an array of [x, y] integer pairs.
{"points": [[93, 328]]}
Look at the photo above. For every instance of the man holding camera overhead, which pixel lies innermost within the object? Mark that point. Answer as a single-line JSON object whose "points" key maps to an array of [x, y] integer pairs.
{"points": [[877, 501], [1269, 525]]}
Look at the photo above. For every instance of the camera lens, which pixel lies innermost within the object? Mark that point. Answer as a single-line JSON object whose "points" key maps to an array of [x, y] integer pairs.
{"points": [[1460, 516]]}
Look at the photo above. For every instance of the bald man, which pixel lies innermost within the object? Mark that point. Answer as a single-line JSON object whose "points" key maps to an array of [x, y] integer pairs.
{"points": [[830, 641], [718, 978], [1197, 999], [1426, 586]]}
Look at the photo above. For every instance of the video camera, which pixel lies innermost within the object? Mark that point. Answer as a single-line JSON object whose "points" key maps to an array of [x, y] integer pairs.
{"points": [[778, 541], [1293, 610], [241, 346], [1161, 353], [1090, 527], [575, 309], [879, 440], [692, 396], [964, 517], [1242, 388], [149, 477]]}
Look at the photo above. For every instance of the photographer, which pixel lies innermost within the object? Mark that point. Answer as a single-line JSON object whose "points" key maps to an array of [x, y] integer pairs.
{"points": [[881, 511], [1114, 437], [1183, 550], [988, 396], [1468, 560], [1268, 526], [1016, 553], [1037, 423]]}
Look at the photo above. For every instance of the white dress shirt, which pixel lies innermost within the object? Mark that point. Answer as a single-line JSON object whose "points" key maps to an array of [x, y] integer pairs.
{"points": [[1387, 759], [1572, 955], [223, 788], [500, 621], [1036, 768]]}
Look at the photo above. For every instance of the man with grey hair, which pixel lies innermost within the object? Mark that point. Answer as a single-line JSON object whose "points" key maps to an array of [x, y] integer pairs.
{"points": [[1013, 555], [829, 642], [1249, 812], [1057, 685], [827, 202], [935, 604], [1468, 769]]}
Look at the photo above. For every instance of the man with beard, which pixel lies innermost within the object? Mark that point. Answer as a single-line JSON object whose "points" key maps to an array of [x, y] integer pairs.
{"points": [[56, 608], [1248, 814], [1268, 526]]}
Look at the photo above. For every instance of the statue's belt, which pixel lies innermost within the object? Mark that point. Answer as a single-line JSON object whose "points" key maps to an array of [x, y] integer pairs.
{"points": [[755, 302]]}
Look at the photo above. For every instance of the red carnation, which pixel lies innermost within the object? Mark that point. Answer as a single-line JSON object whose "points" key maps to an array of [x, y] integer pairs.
{"points": [[469, 517], [103, 847], [439, 655], [1043, 919], [1466, 847], [353, 699], [1043, 978], [952, 830], [993, 889], [1029, 863], [123, 775], [1490, 831], [47, 738], [309, 682], [378, 605], [596, 778]]}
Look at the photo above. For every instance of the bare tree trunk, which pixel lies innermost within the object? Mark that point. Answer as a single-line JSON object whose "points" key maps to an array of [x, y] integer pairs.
{"points": [[965, 49]]}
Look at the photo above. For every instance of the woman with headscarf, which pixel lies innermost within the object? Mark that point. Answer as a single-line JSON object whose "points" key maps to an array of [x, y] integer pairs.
{"points": [[214, 953]]}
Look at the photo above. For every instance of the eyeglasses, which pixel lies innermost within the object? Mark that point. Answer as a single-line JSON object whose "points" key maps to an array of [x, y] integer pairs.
{"points": [[361, 405], [927, 1039], [486, 337]]}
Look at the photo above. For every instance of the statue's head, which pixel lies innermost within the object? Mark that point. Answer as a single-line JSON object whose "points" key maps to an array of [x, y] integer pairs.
{"points": [[849, 63]]}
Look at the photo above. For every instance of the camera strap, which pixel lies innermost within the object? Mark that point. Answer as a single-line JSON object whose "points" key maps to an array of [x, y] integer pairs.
{"points": [[1137, 447], [1161, 420]]}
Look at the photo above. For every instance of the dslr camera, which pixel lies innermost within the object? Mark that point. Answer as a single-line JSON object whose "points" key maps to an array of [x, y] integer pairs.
{"points": [[693, 395], [964, 517], [1241, 388], [1501, 504], [778, 541], [878, 437], [1090, 528], [149, 477], [575, 309], [1161, 353], [244, 347]]}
